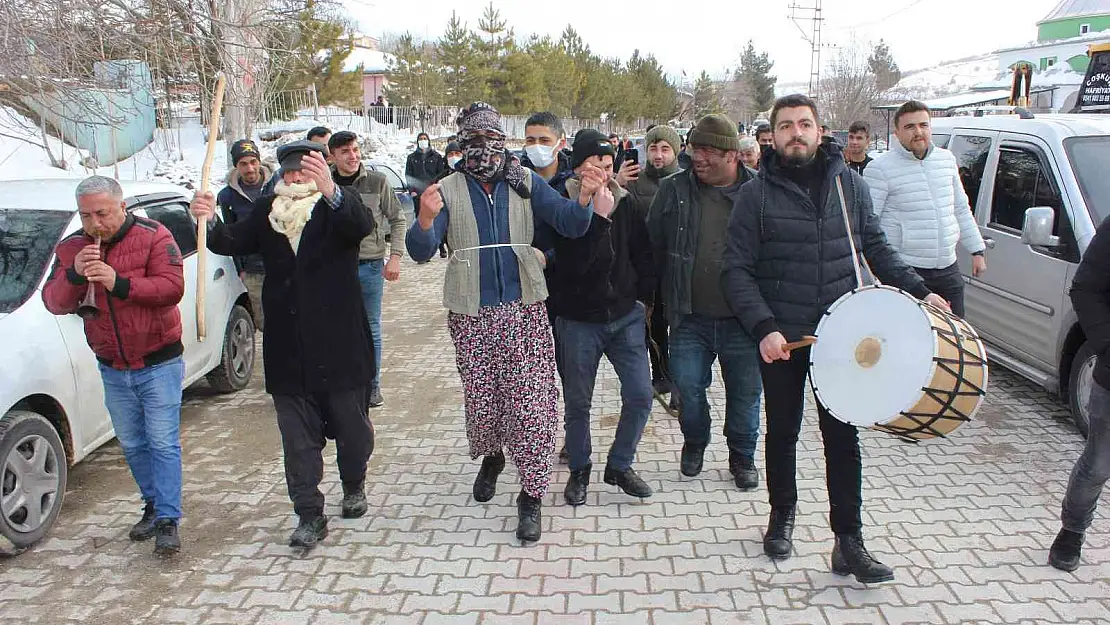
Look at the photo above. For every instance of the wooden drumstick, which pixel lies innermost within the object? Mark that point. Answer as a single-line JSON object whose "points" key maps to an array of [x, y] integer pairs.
{"points": [[805, 342], [202, 223]]}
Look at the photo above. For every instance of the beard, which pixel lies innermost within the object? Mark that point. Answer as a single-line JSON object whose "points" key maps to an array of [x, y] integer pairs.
{"points": [[794, 158]]}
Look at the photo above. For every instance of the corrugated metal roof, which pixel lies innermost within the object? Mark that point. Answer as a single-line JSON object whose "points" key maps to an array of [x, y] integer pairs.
{"points": [[1077, 8]]}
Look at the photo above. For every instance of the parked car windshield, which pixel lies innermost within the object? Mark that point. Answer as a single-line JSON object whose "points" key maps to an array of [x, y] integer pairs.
{"points": [[1088, 156], [27, 240]]}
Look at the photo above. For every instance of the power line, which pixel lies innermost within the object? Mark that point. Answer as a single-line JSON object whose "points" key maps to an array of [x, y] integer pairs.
{"points": [[813, 38]]}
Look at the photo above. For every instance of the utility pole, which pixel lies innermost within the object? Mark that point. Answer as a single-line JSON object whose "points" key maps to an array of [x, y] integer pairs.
{"points": [[810, 13]]}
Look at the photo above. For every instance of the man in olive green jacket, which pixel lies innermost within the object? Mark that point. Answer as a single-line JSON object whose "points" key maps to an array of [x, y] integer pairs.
{"points": [[377, 194]]}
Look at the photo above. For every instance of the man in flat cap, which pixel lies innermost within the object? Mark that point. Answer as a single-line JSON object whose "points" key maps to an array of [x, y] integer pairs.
{"points": [[317, 348]]}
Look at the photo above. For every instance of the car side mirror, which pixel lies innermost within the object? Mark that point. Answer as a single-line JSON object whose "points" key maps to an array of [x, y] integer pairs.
{"points": [[1037, 229]]}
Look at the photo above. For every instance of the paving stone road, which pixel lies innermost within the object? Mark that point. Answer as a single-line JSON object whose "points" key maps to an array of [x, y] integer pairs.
{"points": [[965, 521]]}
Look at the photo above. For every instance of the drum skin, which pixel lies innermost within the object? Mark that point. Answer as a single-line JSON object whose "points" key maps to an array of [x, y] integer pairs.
{"points": [[872, 365]]}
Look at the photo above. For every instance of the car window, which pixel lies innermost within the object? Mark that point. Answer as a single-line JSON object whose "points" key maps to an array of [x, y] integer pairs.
{"points": [[394, 180], [941, 140], [971, 159], [27, 240], [1088, 156], [1022, 181], [178, 222]]}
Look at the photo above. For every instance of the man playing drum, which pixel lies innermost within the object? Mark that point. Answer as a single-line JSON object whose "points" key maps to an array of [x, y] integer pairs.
{"points": [[787, 259]]}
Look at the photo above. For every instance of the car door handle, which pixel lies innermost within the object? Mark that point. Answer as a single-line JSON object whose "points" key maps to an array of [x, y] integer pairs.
{"points": [[219, 274], [989, 243]]}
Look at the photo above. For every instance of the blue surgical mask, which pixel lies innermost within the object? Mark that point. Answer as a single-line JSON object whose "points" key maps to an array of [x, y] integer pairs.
{"points": [[452, 161], [540, 155]]}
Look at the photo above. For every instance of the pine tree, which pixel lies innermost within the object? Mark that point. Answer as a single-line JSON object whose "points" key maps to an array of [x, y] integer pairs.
{"points": [[318, 46], [707, 95], [495, 45], [414, 77], [464, 75], [756, 80], [883, 67]]}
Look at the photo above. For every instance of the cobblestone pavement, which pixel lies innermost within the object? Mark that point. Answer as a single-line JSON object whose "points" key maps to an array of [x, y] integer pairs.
{"points": [[966, 522]]}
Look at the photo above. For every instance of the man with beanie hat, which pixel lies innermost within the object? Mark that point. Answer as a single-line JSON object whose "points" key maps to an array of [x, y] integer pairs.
{"points": [[688, 222], [602, 284], [245, 184], [663, 145]]}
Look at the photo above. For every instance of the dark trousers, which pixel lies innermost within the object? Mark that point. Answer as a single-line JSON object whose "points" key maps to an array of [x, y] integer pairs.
{"points": [[305, 422], [581, 346], [784, 396], [657, 334], [947, 283]]}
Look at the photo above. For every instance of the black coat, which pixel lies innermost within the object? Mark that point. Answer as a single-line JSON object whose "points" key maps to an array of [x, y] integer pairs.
{"points": [[317, 338], [422, 168], [787, 260], [597, 278], [1090, 295]]}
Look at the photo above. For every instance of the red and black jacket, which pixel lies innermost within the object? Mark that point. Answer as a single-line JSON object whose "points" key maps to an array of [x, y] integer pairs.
{"points": [[139, 324]]}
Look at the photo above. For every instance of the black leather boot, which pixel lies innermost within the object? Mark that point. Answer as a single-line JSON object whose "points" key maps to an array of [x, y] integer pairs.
{"points": [[692, 460], [850, 557], [1066, 550], [575, 492], [743, 470], [528, 517], [485, 485], [628, 481], [778, 542], [310, 530], [144, 529], [166, 541]]}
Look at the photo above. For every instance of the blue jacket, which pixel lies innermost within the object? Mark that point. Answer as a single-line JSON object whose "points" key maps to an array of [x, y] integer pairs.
{"points": [[500, 275], [559, 180]]}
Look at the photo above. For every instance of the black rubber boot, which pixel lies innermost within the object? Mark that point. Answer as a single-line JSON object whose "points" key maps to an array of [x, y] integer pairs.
{"points": [[850, 557], [778, 542], [485, 485]]}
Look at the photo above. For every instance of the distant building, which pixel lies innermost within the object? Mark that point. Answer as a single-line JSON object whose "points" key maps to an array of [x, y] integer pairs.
{"points": [[375, 67]]}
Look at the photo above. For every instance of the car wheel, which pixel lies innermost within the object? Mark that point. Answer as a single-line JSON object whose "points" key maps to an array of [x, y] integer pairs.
{"points": [[1079, 386], [237, 363], [33, 475]]}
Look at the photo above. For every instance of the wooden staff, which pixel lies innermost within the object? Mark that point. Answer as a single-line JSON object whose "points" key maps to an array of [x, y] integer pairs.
{"points": [[202, 223]]}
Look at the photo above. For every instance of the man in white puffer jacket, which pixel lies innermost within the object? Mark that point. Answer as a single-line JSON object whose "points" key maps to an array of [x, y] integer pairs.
{"points": [[922, 205]]}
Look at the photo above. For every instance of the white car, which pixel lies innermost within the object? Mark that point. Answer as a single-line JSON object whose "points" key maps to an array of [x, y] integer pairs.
{"points": [[52, 411]]}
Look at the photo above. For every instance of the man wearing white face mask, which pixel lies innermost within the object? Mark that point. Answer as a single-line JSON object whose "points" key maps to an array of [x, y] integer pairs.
{"points": [[454, 154], [543, 150], [424, 166]]}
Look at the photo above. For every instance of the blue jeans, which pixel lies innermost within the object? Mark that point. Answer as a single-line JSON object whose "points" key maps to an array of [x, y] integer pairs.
{"points": [[372, 279], [581, 346], [145, 405], [1092, 470], [695, 343]]}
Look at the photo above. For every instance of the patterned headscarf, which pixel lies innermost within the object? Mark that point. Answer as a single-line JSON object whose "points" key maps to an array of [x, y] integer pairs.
{"points": [[483, 145]]}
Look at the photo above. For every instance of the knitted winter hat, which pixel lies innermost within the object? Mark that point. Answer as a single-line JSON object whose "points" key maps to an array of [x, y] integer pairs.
{"points": [[715, 131], [589, 142], [664, 133]]}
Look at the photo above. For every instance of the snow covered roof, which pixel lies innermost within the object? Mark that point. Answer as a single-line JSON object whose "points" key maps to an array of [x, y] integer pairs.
{"points": [[964, 99], [1068, 9], [373, 61]]}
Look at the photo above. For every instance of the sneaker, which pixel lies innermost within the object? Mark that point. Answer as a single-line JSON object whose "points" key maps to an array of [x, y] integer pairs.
{"points": [[166, 540], [310, 531], [354, 503], [376, 398], [1066, 550], [144, 529]]}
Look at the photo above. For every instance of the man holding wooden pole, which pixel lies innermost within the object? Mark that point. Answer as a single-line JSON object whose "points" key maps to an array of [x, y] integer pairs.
{"points": [[317, 348]]}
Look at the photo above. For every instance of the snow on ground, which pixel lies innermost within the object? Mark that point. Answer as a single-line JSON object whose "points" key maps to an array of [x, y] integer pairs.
{"points": [[177, 154], [948, 78]]}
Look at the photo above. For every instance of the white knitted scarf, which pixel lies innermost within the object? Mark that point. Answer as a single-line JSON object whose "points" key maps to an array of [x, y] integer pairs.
{"points": [[292, 209]]}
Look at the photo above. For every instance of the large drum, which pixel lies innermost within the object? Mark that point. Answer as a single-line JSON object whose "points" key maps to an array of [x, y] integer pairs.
{"points": [[887, 361]]}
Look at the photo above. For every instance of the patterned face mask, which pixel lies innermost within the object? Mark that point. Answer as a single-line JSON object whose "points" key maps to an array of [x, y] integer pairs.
{"points": [[483, 154]]}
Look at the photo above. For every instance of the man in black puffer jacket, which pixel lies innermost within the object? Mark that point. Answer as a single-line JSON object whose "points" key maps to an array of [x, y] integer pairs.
{"points": [[600, 285], [788, 257]]}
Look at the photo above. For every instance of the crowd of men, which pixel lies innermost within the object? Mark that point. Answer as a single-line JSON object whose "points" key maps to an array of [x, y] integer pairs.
{"points": [[719, 247]]}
